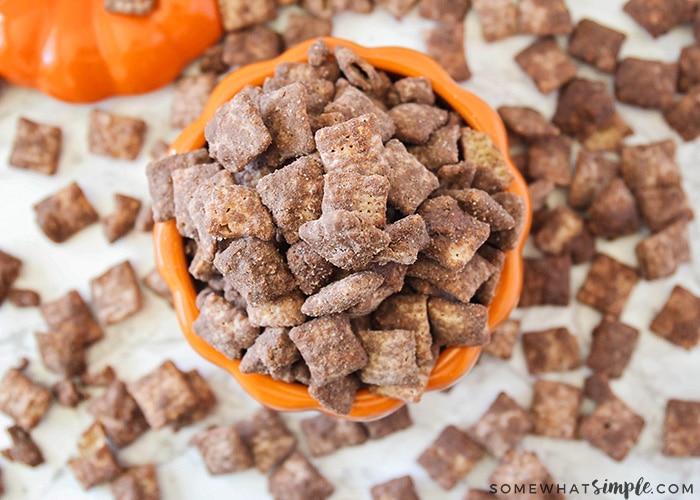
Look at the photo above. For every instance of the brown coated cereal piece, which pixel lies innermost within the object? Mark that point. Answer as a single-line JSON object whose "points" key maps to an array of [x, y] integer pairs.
{"points": [[101, 378], [283, 310], [190, 94], [342, 294], [523, 467], [546, 281], [114, 135], [455, 323], [417, 89], [546, 64], [613, 428], [393, 274], [484, 207], [608, 285], [384, 426], [36, 146], [558, 231], [298, 479], [120, 416], [222, 450], [365, 195], [224, 326], [122, 220], [408, 236], [655, 16], [445, 44], [550, 350], [612, 347], [310, 270], [267, 437], [337, 396], [206, 400], [681, 428], [160, 183], [555, 407], [249, 45], [650, 165], [164, 395], [613, 212], [689, 67], [662, 206], [64, 213], [229, 210], [237, 133], [499, 19], [549, 158], [678, 321], [416, 122], [507, 239], [344, 239], [303, 26], [544, 17], [293, 194], [255, 269], [410, 182], [539, 191], [356, 70], [61, 352], [502, 426], [397, 8], [211, 60], [350, 102], [441, 148], [355, 144], [188, 205], [138, 481], [71, 313], [683, 115], [325, 434], [475, 494], [24, 449], [596, 44], [447, 11], [659, 255], [609, 136], [493, 173], [237, 14], [329, 347], [583, 106], [450, 457], [22, 399], [10, 267], [593, 171], [460, 285], [597, 387], [646, 83], [526, 122], [503, 339], [116, 294], [457, 175], [66, 393], [96, 463], [130, 7], [391, 357], [272, 352], [399, 488]]}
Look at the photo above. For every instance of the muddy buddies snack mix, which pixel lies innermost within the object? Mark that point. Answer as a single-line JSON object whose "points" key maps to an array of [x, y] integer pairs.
{"points": [[326, 220]]}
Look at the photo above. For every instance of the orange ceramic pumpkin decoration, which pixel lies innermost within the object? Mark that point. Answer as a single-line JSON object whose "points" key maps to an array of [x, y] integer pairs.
{"points": [[77, 51]]}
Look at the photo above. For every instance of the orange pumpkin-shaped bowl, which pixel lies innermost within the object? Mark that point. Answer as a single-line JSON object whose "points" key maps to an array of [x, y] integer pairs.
{"points": [[78, 51], [453, 362]]}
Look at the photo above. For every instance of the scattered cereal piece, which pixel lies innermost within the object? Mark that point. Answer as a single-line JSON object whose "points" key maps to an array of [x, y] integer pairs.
{"points": [[583, 106], [154, 282], [493, 173], [678, 321], [116, 294], [123, 219], [116, 136], [555, 407], [597, 387], [596, 44], [657, 18], [138, 481], [549, 158], [101, 378], [445, 44], [659, 255], [612, 347], [298, 479], [325, 434], [62, 352], [237, 14], [450, 456], [553, 349], [608, 285], [394, 422], [609, 135], [546, 281], [616, 198], [36, 147], [502, 426], [689, 68], [22, 399], [503, 339], [120, 416], [267, 437], [190, 94], [526, 122], [544, 17], [646, 83], [684, 114], [523, 467], [650, 165], [681, 428], [66, 393], [592, 173], [558, 231], [64, 213], [249, 45], [499, 19], [222, 450], [613, 427], [302, 26], [546, 64], [96, 463], [399, 488], [10, 267], [24, 449]]}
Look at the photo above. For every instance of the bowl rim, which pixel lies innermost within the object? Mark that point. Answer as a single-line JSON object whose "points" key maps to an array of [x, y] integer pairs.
{"points": [[454, 362]]}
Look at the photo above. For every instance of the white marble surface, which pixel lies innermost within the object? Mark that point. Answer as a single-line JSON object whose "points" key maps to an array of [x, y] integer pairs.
{"points": [[658, 370]]}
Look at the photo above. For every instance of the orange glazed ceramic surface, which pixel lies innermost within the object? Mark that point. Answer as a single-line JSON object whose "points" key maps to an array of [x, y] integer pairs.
{"points": [[453, 362], [77, 51]]}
